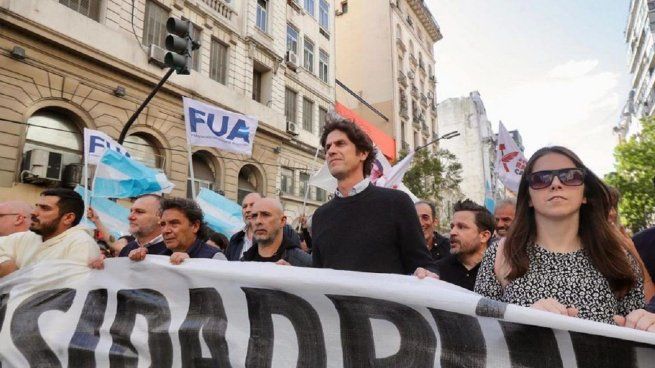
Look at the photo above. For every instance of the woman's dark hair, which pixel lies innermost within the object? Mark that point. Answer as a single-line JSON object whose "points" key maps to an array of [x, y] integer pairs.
{"points": [[360, 139], [600, 240]]}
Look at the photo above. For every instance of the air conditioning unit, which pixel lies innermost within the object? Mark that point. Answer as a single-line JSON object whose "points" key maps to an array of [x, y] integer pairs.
{"points": [[72, 175], [40, 165], [338, 12], [156, 55], [292, 128], [292, 60]]}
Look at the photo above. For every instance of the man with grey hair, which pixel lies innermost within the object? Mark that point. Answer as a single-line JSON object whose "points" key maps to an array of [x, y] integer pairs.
{"points": [[15, 217], [504, 215], [272, 243]]}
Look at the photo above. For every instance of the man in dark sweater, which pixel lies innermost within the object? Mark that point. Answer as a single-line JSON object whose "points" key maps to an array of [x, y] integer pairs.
{"points": [[272, 244], [364, 227], [470, 231], [645, 244]]}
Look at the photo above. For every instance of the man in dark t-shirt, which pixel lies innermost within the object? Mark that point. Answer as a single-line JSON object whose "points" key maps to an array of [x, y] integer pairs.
{"points": [[364, 227], [271, 244], [470, 230]]}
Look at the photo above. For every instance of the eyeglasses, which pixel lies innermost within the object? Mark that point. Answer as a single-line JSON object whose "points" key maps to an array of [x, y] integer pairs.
{"points": [[571, 177]]}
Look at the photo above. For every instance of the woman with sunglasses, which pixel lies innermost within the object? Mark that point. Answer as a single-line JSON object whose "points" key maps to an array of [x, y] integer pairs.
{"points": [[561, 254]]}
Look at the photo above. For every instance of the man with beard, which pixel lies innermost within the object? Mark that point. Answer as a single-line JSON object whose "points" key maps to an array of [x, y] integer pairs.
{"points": [[470, 231], [54, 234], [268, 222], [438, 245], [243, 240], [504, 214]]}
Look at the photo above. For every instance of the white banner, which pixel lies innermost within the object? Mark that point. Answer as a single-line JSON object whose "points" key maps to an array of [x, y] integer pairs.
{"points": [[95, 144], [210, 126], [231, 314], [510, 161]]}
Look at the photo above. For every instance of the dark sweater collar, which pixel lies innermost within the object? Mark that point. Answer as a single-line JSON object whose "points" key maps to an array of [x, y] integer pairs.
{"points": [[364, 193]]}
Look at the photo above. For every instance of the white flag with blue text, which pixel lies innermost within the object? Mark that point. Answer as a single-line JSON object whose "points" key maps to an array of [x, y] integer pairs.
{"points": [[118, 176], [113, 215], [96, 143], [221, 214], [210, 126]]}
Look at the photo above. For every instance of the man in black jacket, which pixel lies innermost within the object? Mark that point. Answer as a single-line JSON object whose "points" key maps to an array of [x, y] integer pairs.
{"points": [[272, 244], [438, 245], [364, 227]]}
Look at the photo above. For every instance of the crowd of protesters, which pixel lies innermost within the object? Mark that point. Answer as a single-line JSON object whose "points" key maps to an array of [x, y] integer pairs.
{"points": [[558, 247]]}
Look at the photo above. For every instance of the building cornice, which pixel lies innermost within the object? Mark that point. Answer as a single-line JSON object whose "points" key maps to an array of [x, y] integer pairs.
{"points": [[425, 16]]}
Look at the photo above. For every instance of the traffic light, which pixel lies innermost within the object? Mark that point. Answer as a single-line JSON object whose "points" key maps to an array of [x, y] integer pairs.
{"points": [[180, 45]]}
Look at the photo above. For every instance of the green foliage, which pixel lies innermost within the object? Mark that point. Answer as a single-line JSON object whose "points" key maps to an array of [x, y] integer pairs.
{"points": [[635, 172], [433, 174]]}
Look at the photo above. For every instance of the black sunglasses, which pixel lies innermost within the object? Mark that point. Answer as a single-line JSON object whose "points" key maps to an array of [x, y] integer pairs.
{"points": [[542, 179]]}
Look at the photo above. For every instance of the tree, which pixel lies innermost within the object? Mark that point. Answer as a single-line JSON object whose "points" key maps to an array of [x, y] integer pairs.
{"points": [[433, 174], [634, 176]]}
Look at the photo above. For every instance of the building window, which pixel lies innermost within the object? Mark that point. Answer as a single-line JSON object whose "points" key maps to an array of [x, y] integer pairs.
{"points": [[250, 181], [218, 62], [309, 7], [196, 34], [203, 174], [320, 194], [323, 62], [290, 105], [304, 183], [54, 128], [286, 180], [308, 61], [307, 115], [88, 8], [142, 149], [262, 15], [292, 39], [322, 114], [256, 85], [324, 15], [154, 27]]}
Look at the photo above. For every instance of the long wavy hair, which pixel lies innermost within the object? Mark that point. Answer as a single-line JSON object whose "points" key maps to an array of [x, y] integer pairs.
{"points": [[600, 240]]}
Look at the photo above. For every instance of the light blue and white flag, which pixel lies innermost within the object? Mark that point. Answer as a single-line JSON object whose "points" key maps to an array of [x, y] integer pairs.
{"points": [[113, 215], [210, 126], [118, 176], [221, 214]]}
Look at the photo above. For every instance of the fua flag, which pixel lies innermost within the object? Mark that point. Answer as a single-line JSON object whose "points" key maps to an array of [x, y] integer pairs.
{"points": [[210, 126], [118, 176], [510, 161], [96, 143]]}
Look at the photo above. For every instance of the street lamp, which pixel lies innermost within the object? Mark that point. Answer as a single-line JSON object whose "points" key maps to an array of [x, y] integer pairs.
{"points": [[448, 135]]}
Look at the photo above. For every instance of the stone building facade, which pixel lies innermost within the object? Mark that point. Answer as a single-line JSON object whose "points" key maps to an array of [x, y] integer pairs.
{"points": [[69, 64]]}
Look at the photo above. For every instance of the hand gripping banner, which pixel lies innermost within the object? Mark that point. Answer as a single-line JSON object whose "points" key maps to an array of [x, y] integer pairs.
{"points": [[207, 313]]}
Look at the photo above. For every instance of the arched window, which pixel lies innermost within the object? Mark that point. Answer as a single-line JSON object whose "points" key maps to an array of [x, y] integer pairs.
{"points": [[250, 180], [204, 173], [55, 129], [143, 149]]}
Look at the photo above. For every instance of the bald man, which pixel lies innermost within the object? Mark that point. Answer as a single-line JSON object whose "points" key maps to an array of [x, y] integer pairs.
{"points": [[15, 217], [272, 243]]}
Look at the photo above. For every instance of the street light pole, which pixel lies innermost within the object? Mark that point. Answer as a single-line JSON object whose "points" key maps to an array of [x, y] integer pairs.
{"points": [[448, 135]]}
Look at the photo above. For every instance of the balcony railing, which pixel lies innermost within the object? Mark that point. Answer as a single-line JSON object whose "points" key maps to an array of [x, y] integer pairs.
{"points": [[221, 7], [415, 91], [424, 100], [402, 79], [412, 60]]}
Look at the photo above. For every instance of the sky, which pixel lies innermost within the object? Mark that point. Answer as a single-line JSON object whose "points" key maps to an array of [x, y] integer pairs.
{"points": [[556, 70]]}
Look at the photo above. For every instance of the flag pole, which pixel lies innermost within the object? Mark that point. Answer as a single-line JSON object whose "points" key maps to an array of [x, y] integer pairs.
{"points": [[304, 202], [193, 179]]}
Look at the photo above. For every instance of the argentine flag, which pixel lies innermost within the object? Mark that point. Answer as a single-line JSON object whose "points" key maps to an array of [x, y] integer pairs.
{"points": [[221, 214], [118, 176], [113, 215]]}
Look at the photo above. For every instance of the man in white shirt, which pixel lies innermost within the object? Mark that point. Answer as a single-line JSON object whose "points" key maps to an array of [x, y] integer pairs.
{"points": [[15, 217], [53, 234]]}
